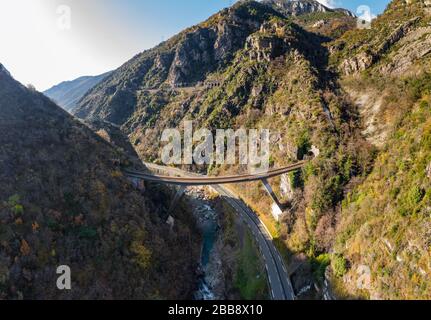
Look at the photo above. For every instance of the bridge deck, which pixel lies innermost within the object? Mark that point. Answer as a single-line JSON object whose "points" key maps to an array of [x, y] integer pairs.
{"points": [[206, 181]]}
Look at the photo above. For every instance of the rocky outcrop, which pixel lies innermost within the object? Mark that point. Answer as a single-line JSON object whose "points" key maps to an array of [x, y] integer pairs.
{"points": [[358, 63], [194, 57], [296, 8], [273, 40], [369, 57], [415, 46], [300, 7]]}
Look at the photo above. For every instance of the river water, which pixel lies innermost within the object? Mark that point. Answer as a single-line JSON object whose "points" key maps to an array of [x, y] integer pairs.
{"points": [[207, 222]]}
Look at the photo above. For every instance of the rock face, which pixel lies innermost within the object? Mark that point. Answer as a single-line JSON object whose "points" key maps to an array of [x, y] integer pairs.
{"points": [[402, 59], [196, 50], [273, 40], [297, 7], [300, 7], [63, 202], [358, 63]]}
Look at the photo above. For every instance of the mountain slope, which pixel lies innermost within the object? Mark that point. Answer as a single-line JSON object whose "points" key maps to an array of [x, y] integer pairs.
{"points": [[67, 94], [301, 7], [63, 202], [249, 66], [361, 96], [382, 240], [184, 60]]}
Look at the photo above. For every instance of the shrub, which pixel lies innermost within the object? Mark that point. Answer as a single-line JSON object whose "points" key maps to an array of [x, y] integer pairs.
{"points": [[143, 255], [339, 265], [416, 195], [304, 145], [14, 204], [296, 180], [319, 266]]}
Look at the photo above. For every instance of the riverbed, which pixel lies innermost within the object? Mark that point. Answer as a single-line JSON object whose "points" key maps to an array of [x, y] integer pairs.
{"points": [[210, 273]]}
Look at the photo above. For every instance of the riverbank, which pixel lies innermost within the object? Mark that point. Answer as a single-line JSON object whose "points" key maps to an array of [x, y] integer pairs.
{"points": [[230, 265]]}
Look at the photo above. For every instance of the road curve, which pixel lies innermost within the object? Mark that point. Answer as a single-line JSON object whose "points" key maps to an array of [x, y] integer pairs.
{"points": [[278, 277], [207, 181]]}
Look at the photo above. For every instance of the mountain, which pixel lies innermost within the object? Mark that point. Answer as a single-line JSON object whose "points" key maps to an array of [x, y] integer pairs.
{"points": [[249, 66], [184, 60], [301, 7], [360, 211], [382, 243], [63, 201], [67, 94]]}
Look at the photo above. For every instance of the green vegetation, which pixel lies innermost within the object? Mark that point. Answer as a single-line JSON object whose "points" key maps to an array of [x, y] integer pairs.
{"points": [[339, 265], [250, 279], [143, 255], [367, 196], [15, 206], [87, 233], [389, 209], [319, 265]]}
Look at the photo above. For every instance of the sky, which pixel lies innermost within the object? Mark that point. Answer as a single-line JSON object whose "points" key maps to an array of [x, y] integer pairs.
{"points": [[45, 42]]}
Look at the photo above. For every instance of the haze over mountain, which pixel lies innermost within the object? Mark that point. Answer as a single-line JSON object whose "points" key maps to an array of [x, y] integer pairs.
{"points": [[68, 93]]}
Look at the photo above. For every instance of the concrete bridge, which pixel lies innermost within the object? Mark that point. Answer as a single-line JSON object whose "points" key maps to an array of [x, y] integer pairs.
{"points": [[184, 182]]}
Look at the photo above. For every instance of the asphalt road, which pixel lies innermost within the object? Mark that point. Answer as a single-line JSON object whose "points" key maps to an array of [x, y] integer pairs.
{"points": [[278, 278]]}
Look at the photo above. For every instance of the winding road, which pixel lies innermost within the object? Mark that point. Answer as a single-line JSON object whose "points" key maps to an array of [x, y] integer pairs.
{"points": [[278, 277]]}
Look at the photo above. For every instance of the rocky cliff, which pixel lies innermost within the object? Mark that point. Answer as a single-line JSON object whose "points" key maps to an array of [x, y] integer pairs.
{"points": [[302, 7]]}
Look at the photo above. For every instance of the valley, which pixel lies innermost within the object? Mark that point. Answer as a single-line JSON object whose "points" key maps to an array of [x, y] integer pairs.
{"points": [[123, 187]]}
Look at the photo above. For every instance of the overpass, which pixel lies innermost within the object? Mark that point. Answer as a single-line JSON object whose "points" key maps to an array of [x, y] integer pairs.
{"points": [[278, 277], [184, 182], [209, 181]]}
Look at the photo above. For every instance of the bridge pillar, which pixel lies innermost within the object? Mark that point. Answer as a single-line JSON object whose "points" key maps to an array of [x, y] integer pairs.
{"points": [[177, 198], [277, 203]]}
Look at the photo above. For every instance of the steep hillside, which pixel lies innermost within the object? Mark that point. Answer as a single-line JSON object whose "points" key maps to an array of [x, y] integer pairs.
{"points": [[184, 60], [249, 66], [63, 202], [383, 238], [67, 94], [362, 97]]}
